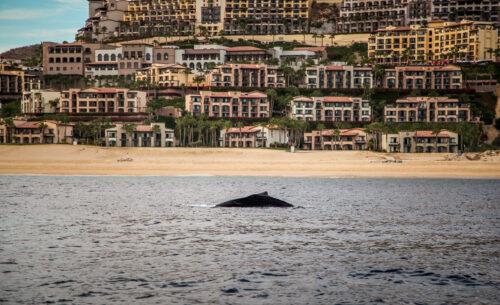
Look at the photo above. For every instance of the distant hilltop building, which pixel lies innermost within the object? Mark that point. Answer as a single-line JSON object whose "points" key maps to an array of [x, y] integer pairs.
{"points": [[122, 18]]}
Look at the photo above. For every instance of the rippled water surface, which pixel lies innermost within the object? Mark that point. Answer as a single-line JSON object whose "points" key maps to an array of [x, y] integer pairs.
{"points": [[155, 240]]}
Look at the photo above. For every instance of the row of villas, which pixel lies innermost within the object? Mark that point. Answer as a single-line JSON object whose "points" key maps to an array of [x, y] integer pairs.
{"points": [[43, 132], [358, 16], [423, 141], [100, 60]]}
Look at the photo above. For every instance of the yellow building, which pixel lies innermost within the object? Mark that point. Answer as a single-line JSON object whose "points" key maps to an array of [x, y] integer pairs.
{"points": [[464, 41], [171, 75]]}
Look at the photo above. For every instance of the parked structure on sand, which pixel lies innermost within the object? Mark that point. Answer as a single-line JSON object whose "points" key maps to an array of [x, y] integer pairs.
{"points": [[154, 135]]}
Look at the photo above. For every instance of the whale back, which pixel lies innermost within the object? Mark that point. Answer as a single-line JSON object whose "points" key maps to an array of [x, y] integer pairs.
{"points": [[255, 201]]}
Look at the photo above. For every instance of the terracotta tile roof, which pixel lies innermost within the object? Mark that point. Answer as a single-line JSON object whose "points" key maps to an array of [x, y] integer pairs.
{"points": [[313, 49], [101, 63], [27, 125], [344, 132], [220, 94], [243, 49], [144, 128], [99, 90], [336, 68], [245, 129], [302, 99], [254, 94], [429, 134], [338, 99]]}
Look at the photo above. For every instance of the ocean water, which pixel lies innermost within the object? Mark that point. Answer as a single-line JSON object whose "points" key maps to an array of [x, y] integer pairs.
{"points": [[156, 240]]}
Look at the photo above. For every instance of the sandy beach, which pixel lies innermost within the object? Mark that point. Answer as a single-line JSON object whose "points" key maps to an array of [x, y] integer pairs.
{"points": [[90, 160]]}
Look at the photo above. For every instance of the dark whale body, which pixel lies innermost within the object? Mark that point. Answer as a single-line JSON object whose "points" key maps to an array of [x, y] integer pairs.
{"points": [[255, 201]]}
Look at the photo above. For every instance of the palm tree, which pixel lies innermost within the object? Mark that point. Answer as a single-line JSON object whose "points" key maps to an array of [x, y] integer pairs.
{"points": [[9, 123], [129, 130], [240, 126], [54, 104], [304, 33], [435, 130], [322, 37], [315, 36], [332, 36], [42, 127], [272, 96], [336, 135], [320, 127]]}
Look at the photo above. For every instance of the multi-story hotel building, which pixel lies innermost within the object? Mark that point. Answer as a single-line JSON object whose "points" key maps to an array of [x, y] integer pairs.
{"points": [[154, 135], [102, 100], [231, 104], [251, 54], [370, 15], [39, 101], [331, 109], [199, 58], [340, 139], [423, 77], [463, 41], [14, 83], [43, 132], [246, 75], [427, 109], [338, 77], [172, 75], [456, 10], [420, 141], [266, 16], [68, 58], [253, 136]]}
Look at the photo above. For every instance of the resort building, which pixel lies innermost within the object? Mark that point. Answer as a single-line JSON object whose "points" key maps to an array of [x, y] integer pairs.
{"points": [[231, 104], [297, 57], [121, 18], [338, 77], [154, 135], [102, 100], [14, 83], [437, 42], [330, 109], [134, 56], [254, 136], [200, 59], [336, 139], [423, 77], [427, 109], [482, 85], [420, 141], [171, 75], [456, 10], [42, 132], [248, 54], [68, 58], [246, 75], [357, 16], [40, 101]]}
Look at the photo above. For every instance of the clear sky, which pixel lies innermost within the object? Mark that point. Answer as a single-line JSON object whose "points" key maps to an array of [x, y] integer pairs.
{"points": [[26, 22]]}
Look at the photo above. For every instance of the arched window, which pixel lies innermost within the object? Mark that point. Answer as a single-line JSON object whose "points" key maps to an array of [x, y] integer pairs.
{"points": [[191, 66], [158, 56], [165, 56], [119, 56], [113, 57], [198, 66], [148, 56], [99, 57], [106, 57]]}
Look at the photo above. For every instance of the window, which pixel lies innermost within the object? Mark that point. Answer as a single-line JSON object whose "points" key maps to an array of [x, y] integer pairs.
{"points": [[158, 56], [148, 56], [113, 57], [99, 57], [165, 56], [106, 57]]}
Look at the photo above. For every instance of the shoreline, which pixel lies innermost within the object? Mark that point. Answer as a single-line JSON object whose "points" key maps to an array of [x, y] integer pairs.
{"points": [[68, 160]]}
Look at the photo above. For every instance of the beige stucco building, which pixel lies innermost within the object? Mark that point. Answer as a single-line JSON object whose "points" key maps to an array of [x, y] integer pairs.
{"points": [[427, 109], [231, 104], [420, 141], [331, 109], [42, 132], [336, 139], [254, 136], [246, 75], [170, 75], [154, 135], [338, 77], [423, 77], [102, 100]]}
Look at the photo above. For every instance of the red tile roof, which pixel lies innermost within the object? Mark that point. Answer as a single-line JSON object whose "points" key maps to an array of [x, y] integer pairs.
{"points": [[429, 134], [27, 125], [245, 129], [336, 68], [243, 49], [143, 128], [338, 99], [101, 63]]}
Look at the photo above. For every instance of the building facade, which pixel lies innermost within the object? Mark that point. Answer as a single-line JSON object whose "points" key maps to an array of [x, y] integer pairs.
{"points": [[427, 109], [246, 75], [330, 109], [438, 42], [43, 132], [154, 135], [457, 10], [423, 77], [171, 75], [14, 83], [254, 136], [336, 139], [338, 77], [231, 104], [102, 100], [40, 101], [423, 141]]}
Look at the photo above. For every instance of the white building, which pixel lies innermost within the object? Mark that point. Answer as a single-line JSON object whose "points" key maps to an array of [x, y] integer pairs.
{"points": [[254, 136], [142, 136], [38, 101]]}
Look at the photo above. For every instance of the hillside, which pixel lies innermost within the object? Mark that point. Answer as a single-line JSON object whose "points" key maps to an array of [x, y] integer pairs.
{"points": [[23, 53]]}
